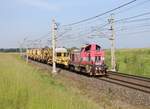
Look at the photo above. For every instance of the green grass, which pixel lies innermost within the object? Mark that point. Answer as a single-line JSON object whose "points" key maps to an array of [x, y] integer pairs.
{"points": [[23, 86], [132, 61]]}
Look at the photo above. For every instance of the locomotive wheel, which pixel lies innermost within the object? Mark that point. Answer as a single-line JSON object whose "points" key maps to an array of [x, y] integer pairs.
{"points": [[83, 70], [88, 69], [105, 73], [72, 68], [91, 74]]}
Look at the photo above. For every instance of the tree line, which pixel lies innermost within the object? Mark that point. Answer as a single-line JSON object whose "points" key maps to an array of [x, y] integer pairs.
{"points": [[11, 50]]}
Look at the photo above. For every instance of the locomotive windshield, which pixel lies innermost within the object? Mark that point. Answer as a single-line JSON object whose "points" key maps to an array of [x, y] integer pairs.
{"points": [[66, 54], [97, 59], [88, 48], [98, 47], [58, 54], [62, 54]]}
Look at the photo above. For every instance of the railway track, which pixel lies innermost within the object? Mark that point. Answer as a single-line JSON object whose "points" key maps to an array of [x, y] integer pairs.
{"points": [[131, 81], [130, 76]]}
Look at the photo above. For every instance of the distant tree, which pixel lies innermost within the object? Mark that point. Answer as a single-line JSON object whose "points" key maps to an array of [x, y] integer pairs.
{"points": [[46, 47], [10, 50]]}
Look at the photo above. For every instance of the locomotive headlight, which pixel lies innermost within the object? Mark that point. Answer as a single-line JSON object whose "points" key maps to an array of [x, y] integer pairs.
{"points": [[102, 58], [99, 68], [96, 68]]}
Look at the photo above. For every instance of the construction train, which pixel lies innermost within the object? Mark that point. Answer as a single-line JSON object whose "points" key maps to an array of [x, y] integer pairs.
{"points": [[89, 59]]}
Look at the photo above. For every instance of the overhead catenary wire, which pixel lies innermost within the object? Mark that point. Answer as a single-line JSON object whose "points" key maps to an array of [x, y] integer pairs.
{"points": [[78, 30], [125, 28], [43, 36], [89, 33], [86, 29], [81, 36], [100, 19], [81, 21], [137, 20], [132, 17], [128, 18], [124, 19], [133, 22], [133, 7], [133, 33], [103, 14], [37, 42]]}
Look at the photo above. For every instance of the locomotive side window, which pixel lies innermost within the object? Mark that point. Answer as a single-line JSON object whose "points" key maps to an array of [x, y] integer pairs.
{"points": [[89, 58], [72, 57], [82, 49], [65, 54], [88, 48], [58, 54], [98, 47], [81, 59]]}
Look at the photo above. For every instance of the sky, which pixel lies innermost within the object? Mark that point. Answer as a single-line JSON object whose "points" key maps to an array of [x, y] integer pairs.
{"points": [[31, 19]]}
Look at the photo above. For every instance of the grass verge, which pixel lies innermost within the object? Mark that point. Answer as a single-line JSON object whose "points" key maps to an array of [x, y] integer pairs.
{"points": [[26, 87], [132, 61]]}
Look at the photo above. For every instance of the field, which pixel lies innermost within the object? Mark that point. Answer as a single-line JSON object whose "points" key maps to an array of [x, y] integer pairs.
{"points": [[132, 61], [24, 86]]}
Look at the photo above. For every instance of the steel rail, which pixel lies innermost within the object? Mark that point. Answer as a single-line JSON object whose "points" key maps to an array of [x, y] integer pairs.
{"points": [[129, 76], [127, 80], [141, 85], [125, 85]]}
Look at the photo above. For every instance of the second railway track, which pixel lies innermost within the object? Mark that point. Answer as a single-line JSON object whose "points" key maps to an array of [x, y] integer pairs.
{"points": [[134, 82]]}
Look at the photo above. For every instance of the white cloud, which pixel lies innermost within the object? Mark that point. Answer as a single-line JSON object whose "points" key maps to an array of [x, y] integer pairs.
{"points": [[42, 4]]}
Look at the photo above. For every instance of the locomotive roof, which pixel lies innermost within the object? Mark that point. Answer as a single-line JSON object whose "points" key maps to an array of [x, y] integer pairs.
{"points": [[61, 50], [89, 44]]}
